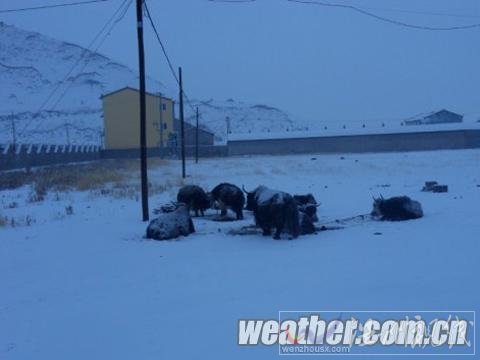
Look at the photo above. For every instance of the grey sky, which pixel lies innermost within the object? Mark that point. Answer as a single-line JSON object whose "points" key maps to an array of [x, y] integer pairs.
{"points": [[315, 62]]}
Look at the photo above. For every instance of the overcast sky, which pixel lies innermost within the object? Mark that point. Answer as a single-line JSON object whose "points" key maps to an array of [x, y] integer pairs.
{"points": [[315, 62]]}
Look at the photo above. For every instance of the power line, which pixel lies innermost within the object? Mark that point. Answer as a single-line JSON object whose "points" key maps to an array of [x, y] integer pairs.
{"points": [[164, 50], [87, 61], [421, 12], [52, 6], [85, 51], [232, 1], [382, 18], [363, 11]]}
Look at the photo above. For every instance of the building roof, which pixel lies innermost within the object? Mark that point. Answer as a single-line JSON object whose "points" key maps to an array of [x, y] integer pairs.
{"points": [[433, 113], [189, 125], [133, 89]]}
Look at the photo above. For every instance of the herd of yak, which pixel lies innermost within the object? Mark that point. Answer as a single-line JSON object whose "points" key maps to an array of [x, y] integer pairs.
{"points": [[273, 210]]}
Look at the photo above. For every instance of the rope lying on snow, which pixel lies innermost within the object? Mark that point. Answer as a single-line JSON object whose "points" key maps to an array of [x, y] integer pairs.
{"points": [[337, 224], [347, 221]]}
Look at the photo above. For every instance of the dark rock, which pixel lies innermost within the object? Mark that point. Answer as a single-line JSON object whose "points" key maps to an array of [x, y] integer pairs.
{"points": [[440, 189], [429, 185]]}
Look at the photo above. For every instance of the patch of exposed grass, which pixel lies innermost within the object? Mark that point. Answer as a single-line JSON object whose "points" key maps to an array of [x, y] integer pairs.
{"points": [[87, 176], [3, 221], [131, 190], [16, 221], [65, 177]]}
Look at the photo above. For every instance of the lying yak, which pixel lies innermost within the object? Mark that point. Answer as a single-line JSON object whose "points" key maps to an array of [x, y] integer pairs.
{"points": [[308, 205], [396, 209], [171, 223], [274, 210], [228, 196], [195, 198]]}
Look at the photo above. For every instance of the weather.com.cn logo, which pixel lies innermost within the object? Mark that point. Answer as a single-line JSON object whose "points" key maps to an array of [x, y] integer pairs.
{"points": [[363, 332]]}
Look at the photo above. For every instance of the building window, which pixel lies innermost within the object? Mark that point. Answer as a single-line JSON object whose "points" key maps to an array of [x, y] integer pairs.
{"points": [[164, 107], [164, 126]]}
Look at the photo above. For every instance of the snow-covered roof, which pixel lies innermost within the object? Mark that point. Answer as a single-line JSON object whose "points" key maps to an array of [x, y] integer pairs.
{"points": [[131, 89]]}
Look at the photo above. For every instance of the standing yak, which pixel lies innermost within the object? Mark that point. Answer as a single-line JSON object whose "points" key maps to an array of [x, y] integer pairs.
{"points": [[274, 210], [195, 198], [307, 204], [229, 196]]}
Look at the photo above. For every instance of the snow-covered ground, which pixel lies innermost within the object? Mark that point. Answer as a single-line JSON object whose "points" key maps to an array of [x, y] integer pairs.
{"points": [[88, 285]]}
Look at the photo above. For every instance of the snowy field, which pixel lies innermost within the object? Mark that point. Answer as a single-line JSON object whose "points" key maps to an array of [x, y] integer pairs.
{"points": [[87, 285]]}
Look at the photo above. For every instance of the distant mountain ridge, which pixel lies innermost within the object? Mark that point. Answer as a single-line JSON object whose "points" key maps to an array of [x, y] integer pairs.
{"points": [[33, 65]]}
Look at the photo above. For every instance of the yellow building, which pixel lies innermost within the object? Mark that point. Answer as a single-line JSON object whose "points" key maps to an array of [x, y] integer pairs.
{"points": [[121, 117]]}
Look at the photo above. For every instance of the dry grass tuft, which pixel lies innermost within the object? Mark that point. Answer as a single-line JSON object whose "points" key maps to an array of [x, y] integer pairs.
{"points": [[65, 177], [15, 222], [117, 178]]}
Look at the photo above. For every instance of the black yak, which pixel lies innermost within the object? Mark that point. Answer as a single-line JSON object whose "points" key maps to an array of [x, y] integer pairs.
{"points": [[274, 210], [171, 223], [308, 205], [195, 198], [229, 196], [396, 209], [306, 224]]}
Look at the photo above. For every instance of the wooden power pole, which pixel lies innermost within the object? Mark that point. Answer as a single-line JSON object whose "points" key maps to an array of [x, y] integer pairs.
{"points": [[161, 122], [143, 130], [14, 133], [196, 137], [67, 133], [182, 126]]}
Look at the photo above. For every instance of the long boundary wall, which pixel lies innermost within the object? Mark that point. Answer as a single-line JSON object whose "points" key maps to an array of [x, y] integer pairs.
{"points": [[204, 151], [41, 155], [25, 156], [398, 142]]}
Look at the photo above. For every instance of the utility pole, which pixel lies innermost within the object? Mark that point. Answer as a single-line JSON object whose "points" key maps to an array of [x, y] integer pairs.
{"points": [[227, 119], [161, 122], [143, 110], [174, 139], [182, 126], [14, 133], [67, 133], [196, 138]]}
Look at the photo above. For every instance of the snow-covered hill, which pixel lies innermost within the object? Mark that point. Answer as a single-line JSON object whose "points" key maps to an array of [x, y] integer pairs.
{"points": [[32, 72], [237, 117], [47, 110]]}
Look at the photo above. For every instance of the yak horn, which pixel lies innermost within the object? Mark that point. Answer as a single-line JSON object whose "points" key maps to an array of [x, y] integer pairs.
{"points": [[246, 192]]}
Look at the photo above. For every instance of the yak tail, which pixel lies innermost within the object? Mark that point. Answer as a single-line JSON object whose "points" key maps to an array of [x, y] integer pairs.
{"points": [[292, 217]]}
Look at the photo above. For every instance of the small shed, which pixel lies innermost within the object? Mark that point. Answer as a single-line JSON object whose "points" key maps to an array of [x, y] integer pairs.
{"points": [[442, 116], [437, 117], [205, 137]]}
